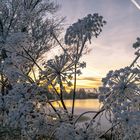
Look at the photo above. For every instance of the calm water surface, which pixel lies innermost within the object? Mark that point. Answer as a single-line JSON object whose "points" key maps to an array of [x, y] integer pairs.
{"points": [[83, 105]]}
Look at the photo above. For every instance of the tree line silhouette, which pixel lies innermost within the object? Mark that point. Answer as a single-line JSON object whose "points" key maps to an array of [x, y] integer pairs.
{"points": [[81, 93]]}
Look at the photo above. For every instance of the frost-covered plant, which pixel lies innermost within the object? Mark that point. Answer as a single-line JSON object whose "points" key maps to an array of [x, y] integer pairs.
{"points": [[24, 37], [121, 95], [64, 67], [29, 16], [24, 107], [23, 102], [58, 69], [61, 69], [67, 131], [136, 45], [77, 36], [15, 62], [84, 29], [59, 74]]}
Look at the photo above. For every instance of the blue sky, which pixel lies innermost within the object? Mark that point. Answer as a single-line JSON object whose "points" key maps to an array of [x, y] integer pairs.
{"points": [[113, 49]]}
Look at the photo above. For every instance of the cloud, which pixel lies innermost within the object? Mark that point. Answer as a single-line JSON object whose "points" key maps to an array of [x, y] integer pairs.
{"points": [[88, 86], [88, 82], [136, 4], [113, 49], [90, 79]]}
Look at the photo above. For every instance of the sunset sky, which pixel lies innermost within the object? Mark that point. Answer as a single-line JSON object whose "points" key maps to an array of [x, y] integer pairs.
{"points": [[113, 49]]}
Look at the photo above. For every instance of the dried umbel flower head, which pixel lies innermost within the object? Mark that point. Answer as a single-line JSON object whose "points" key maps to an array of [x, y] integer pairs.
{"points": [[58, 69], [137, 43], [24, 107], [121, 95], [84, 29]]}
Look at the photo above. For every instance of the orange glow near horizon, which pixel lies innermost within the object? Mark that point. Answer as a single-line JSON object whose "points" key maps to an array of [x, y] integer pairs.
{"points": [[87, 82], [113, 48], [89, 79]]}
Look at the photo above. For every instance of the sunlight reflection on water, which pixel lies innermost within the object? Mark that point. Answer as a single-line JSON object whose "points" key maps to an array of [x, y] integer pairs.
{"points": [[85, 104]]}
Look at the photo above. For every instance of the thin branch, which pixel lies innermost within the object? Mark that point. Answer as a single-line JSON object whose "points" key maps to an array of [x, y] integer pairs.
{"points": [[11, 20], [74, 90], [47, 79], [82, 115], [135, 60], [1, 27], [34, 74], [61, 95], [35, 5], [61, 45], [100, 111], [108, 130]]}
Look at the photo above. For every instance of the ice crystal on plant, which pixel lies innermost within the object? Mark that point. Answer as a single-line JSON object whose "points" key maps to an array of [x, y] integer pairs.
{"points": [[66, 131], [120, 94], [24, 108], [84, 29]]}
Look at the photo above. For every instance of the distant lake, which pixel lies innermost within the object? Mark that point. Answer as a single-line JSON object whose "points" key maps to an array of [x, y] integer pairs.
{"points": [[83, 105]]}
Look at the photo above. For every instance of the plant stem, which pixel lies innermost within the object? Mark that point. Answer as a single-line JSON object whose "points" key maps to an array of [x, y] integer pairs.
{"points": [[46, 77], [74, 90], [100, 111], [78, 55], [108, 130], [61, 95], [82, 115], [137, 57]]}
